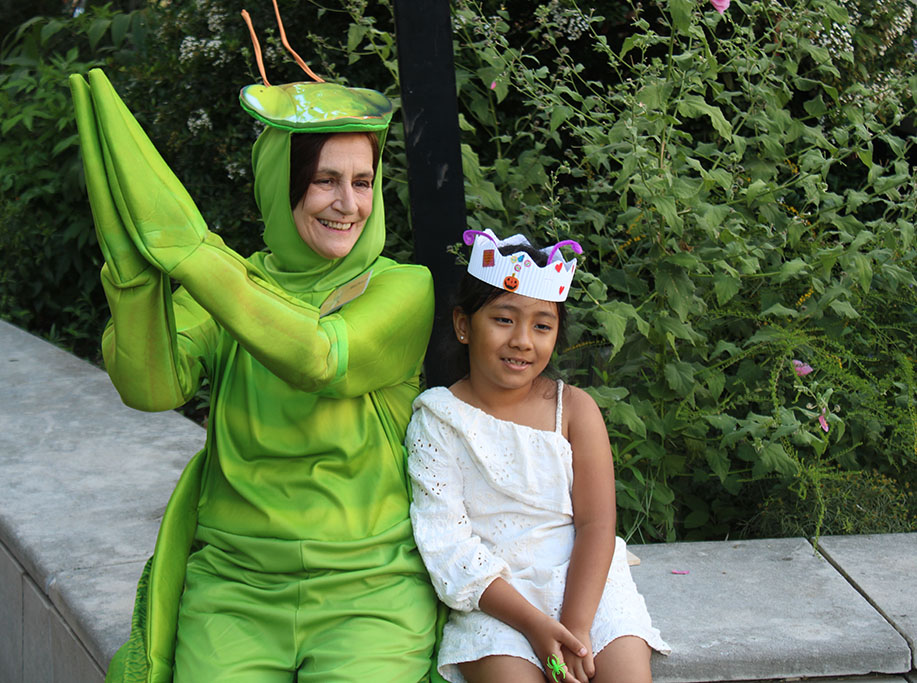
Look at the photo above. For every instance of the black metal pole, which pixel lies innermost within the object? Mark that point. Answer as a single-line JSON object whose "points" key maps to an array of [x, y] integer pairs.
{"points": [[423, 31]]}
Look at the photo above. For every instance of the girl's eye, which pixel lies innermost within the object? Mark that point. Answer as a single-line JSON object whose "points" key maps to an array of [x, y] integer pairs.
{"points": [[503, 320], [543, 327]]}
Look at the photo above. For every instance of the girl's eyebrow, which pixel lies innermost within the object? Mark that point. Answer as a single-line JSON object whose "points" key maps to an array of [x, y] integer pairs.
{"points": [[515, 309]]}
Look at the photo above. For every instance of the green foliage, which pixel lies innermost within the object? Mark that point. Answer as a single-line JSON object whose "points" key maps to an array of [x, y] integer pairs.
{"points": [[742, 183], [744, 201], [845, 503], [49, 262]]}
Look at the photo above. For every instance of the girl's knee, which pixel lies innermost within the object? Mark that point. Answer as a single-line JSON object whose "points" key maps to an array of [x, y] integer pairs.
{"points": [[501, 668], [624, 660]]}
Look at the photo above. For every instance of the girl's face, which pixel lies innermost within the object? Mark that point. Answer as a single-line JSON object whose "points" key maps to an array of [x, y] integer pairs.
{"points": [[331, 215], [510, 339]]}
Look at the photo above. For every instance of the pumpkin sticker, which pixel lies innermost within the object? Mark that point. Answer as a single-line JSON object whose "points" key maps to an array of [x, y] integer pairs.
{"points": [[510, 283]]}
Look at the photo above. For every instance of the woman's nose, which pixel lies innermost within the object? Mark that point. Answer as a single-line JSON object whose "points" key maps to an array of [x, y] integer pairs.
{"points": [[345, 202]]}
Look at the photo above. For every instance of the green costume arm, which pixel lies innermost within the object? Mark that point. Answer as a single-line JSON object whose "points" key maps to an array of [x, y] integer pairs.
{"points": [[376, 340], [366, 346], [140, 344]]}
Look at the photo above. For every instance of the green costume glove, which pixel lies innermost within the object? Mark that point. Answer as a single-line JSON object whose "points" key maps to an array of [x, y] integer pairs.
{"points": [[125, 265], [136, 199]]}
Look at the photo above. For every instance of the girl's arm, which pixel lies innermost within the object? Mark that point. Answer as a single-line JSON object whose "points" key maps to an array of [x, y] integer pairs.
{"points": [[465, 574], [593, 517], [547, 636], [460, 566]]}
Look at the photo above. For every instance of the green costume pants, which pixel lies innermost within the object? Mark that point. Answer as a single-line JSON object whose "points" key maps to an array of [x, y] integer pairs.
{"points": [[240, 624]]}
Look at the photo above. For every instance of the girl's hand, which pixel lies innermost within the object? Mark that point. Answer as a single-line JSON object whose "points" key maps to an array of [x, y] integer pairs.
{"points": [[582, 667], [548, 637]]}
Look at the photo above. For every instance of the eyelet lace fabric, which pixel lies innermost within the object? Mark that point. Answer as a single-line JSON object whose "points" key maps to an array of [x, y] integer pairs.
{"points": [[492, 499]]}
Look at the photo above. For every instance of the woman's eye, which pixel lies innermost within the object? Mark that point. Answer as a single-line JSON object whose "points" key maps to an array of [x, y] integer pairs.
{"points": [[322, 181], [364, 184]]}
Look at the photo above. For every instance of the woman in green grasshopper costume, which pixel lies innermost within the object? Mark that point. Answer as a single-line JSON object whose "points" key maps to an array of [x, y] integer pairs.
{"points": [[285, 553]]}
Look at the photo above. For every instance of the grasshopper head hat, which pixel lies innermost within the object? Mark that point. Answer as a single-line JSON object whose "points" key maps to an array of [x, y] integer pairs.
{"points": [[309, 107]]}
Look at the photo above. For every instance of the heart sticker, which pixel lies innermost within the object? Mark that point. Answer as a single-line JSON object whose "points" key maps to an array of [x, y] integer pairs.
{"points": [[561, 290], [557, 266]]}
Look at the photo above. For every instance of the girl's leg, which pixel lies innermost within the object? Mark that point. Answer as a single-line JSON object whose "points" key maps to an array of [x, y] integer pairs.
{"points": [[624, 660], [501, 668]]}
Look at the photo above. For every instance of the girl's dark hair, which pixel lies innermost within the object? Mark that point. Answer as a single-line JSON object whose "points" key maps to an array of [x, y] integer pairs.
{"points": [[474, 294], [305, 149]]}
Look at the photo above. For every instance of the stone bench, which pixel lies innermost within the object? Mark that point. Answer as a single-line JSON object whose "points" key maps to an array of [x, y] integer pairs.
{"points": [[84, 481]]}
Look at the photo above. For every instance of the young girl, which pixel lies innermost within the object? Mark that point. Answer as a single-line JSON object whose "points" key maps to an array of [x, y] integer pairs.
{"points": [[514, 507]]}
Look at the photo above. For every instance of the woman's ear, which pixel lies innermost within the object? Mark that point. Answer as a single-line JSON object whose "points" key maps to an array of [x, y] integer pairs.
{"points": [[461, 324]]}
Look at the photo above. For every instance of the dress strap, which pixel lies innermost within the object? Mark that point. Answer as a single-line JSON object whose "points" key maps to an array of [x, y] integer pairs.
{"points": [[559, 416]]}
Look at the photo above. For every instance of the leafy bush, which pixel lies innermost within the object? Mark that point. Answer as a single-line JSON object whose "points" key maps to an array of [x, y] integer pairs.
{"points": [[844, 503], [49, 262], [743, 205], [742, 183]]}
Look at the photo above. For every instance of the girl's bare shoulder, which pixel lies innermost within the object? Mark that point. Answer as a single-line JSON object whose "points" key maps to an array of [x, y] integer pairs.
{"points": [[580, 410]]}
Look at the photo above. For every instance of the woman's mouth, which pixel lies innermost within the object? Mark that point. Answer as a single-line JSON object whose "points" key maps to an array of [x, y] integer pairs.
{"points": [[334, 225]]}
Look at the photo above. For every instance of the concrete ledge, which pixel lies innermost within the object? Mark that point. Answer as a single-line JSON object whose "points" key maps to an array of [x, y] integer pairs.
{"points": [[85, 480], [761, 609]]}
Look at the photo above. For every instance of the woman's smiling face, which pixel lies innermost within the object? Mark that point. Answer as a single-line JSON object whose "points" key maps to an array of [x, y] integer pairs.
{"points": [[331, 215]]}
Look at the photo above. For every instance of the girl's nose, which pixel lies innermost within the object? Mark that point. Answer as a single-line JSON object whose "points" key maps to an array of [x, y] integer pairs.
{"points": [[521, 338]]}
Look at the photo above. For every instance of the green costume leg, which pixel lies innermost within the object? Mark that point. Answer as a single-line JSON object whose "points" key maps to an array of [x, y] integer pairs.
{"points": [[377, 635], [234, 629], [238, 624]]}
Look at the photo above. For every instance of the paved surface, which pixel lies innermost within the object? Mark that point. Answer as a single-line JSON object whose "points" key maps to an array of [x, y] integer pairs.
{"points": [[884, 568], [761, 609], [84, 480]]}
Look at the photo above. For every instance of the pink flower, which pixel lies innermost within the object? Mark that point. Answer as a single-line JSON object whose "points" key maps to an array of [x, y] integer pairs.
{"points": [[823, 422], [720, 5], [802, 369], [493, 84]]}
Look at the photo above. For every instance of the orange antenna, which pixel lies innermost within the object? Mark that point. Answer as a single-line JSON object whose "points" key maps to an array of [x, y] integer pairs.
{"points": [[283, 39], [251, 29]]}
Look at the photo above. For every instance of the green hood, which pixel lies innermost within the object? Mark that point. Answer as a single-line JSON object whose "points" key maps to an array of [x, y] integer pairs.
{"points": [[291, 262]]}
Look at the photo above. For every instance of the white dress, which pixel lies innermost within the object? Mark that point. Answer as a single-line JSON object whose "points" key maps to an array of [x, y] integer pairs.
{"points": [[493, 498]]}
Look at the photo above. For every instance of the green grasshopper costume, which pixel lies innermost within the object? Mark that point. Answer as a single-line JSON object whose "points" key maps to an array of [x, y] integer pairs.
{"points": [[286, 551]]}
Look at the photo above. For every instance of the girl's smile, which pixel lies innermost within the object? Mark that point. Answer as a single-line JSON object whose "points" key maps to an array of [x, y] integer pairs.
{"points": [[510, 341]]}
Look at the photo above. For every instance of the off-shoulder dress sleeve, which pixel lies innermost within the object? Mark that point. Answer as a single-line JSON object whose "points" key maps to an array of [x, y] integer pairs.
{"points": [[459, 564]]}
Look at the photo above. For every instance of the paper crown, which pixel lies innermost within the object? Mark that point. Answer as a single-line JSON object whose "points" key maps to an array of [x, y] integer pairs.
{"points": [[518, 273]]}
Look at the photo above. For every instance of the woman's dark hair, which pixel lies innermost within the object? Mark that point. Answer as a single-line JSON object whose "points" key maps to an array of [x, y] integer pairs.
{"points": [[473, 294], [305, 149]]}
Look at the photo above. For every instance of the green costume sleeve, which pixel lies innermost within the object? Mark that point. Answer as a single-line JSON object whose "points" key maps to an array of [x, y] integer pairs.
{"points": [[363, 347], [149, 216], [142, 350]]}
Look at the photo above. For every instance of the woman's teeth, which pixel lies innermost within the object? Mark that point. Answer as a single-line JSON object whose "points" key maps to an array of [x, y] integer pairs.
{"points": [[334, 225]]}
